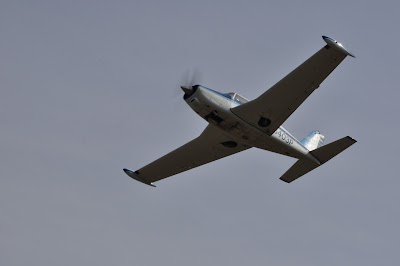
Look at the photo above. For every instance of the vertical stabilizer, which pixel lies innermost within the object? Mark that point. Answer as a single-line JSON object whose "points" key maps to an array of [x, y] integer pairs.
{"points": [[313, 141]]}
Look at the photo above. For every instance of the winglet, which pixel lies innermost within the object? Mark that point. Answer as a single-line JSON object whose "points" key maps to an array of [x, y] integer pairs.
{"points": [[336, 45], [136, 177]]}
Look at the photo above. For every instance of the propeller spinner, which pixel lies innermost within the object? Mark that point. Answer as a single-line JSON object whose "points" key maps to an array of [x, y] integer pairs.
{"points": [[189, 90]]}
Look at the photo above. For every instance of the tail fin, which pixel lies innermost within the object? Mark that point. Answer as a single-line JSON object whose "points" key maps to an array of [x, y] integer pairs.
{"points": [[323, 154], [313, 141]]}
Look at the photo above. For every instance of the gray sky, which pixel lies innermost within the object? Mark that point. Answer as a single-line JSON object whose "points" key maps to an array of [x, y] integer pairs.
{"points": [[90, 87]]}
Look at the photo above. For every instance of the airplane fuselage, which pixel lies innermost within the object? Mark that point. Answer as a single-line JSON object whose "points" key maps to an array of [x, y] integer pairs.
{"points": [[237, 124], [215, 108]]}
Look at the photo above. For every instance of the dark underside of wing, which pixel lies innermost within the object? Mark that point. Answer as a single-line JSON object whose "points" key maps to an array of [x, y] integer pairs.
{"points": [[211, 145], [273, 107]]}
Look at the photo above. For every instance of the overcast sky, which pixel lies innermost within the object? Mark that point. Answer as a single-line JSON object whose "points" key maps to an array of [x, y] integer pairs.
{"points": [[90, 87]]}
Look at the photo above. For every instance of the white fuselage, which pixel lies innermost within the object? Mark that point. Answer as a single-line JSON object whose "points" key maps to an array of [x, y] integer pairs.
{"points": [[215, 108]]}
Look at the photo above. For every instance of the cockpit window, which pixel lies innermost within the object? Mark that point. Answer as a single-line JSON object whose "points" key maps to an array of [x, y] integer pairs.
{"points": [[236, 97], [230, 95], [240, 99]]}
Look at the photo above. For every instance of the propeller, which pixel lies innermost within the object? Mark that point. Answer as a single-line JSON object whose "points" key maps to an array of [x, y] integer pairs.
{"points": [[190, 82]]}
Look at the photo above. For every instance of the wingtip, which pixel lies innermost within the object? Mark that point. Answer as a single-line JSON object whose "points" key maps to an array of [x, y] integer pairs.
{"points": [[337, 45], [135, 176]]}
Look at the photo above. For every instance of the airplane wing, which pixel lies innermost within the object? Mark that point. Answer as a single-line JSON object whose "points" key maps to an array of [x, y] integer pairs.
{"points": [[272, 108], [211, 145]]}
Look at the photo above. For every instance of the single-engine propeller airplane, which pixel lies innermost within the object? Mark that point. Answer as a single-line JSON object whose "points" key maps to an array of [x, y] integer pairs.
{"points": [[237, 124]]}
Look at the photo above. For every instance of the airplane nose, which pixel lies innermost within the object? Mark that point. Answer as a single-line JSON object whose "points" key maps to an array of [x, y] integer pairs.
{"points": [[186, 89]]}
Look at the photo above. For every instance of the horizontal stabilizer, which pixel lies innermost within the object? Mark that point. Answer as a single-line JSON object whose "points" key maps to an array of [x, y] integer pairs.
{"points": [[322, 154], [327, 152], [301, 167]]}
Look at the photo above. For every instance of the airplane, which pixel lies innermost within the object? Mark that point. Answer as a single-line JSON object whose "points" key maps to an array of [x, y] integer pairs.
{"points": [[237, 124]]}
